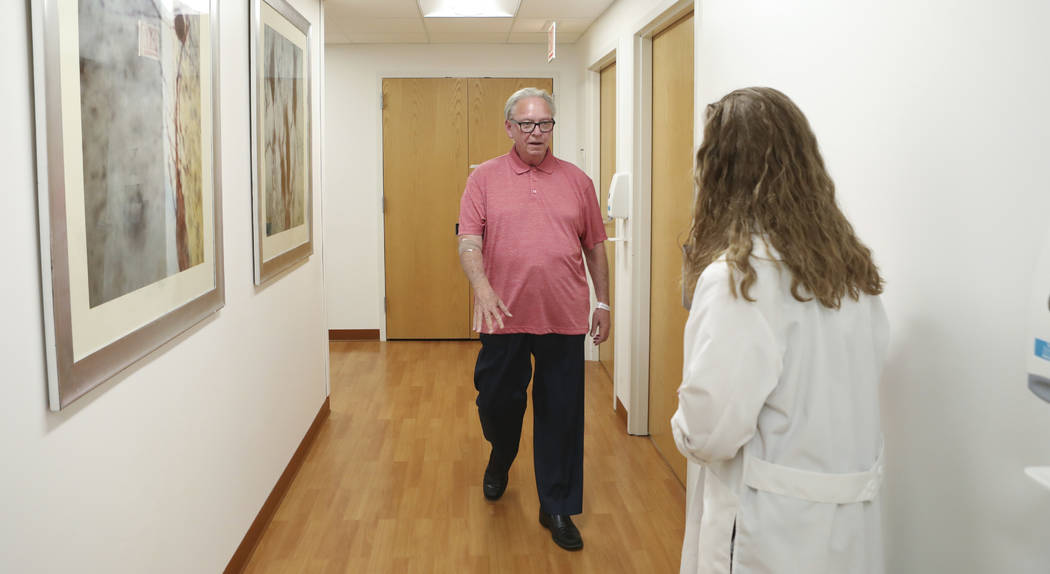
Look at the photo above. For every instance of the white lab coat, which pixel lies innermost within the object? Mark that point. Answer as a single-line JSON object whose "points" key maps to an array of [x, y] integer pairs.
{"points": [[779, 405]]}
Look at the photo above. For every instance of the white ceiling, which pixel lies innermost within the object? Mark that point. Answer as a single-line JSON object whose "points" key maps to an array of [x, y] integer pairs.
{"points": [[402, 22]]}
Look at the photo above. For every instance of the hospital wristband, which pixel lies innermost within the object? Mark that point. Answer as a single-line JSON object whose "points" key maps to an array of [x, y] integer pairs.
{"points": [[601, 305]]}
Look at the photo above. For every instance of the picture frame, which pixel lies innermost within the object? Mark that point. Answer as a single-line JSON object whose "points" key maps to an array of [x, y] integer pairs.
{"points": [[126, 96], [282, 174]]}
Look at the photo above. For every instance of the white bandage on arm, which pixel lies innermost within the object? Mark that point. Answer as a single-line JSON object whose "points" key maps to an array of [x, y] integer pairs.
{"points": [[468, 244]]}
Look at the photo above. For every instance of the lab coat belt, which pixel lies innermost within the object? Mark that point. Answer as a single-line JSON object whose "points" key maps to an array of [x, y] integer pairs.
{"points": [[834, 488]]}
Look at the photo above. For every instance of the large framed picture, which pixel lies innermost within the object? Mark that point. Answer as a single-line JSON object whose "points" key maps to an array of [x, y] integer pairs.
{"points": [[281, 136], [126, 97]]}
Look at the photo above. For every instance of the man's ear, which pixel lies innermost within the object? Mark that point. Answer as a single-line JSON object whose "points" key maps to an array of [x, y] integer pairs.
{"points": [[509, 126]]}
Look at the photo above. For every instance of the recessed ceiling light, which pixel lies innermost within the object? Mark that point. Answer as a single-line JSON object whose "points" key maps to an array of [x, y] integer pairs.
{"points": [[468, 8]]}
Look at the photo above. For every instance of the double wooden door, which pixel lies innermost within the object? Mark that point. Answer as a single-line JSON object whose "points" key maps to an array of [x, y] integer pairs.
{"points": [[435, 131], [672, 198]]}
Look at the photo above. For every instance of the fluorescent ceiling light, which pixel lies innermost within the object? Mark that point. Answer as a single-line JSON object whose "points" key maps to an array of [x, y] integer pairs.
{"points": [[468, 8]]}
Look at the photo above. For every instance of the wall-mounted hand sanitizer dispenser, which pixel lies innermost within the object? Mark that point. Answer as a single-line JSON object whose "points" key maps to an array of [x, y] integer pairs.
{"points": [[620, 196], [1039, 321]]}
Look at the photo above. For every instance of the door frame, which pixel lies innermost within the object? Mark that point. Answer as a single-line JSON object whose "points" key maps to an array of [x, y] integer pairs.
{"points": [[321, 123], [641, 228], [592, 141], [384, 74]]}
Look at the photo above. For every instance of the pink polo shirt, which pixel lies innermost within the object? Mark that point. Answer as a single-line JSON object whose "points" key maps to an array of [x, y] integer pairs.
{"points": [[534, 221]]}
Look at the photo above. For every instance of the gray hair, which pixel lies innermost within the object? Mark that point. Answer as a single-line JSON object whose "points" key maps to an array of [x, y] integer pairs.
{"points": [[527, 93]]}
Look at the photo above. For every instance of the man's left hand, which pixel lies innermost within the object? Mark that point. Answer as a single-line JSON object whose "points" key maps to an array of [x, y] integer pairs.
{"points": [[601, 323]]}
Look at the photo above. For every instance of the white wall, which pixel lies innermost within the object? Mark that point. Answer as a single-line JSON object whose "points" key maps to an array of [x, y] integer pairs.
{"points": [[354, 272], [614, 37], [164, 467], [930, 116]]}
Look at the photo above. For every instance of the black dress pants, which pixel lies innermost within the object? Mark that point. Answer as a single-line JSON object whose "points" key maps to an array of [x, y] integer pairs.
{"points": [[501, 378]]}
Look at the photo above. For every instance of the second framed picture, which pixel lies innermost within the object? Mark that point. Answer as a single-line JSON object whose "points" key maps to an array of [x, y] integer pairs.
{"points": [[281, 136]]}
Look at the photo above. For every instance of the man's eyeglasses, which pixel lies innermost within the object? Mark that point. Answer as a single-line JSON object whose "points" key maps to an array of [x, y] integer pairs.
{"points": [[528, 127]]}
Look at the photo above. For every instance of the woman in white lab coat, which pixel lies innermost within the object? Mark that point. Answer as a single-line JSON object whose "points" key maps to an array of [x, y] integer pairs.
{"points": [[784, 347]]}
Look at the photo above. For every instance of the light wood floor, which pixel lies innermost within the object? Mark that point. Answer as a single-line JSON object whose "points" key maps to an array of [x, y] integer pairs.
{"points": [[393, 481]]}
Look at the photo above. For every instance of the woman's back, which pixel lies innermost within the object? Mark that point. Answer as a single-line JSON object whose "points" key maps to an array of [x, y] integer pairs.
{"points": [[823, 414], [779, 402], [783, 354]]}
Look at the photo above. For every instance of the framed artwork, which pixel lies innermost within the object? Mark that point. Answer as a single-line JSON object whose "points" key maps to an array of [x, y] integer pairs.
{"points": [[281, 136], [126, 98]]}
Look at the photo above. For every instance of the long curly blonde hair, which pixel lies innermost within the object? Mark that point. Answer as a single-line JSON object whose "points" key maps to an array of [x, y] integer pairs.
{"points": [[759, 172]]}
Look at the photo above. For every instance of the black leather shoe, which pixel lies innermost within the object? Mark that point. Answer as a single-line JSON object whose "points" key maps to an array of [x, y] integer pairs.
{"points": [[495, 481], [563, 531]]}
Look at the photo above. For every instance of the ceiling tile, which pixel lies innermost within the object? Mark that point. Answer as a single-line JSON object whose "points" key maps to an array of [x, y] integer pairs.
{"points": [[562, 9], [348, 28], [569, 37], [396, 21], [573, 25], [468, 26], [530, 25], [540, 38], [527, 38], [489, 8], [376, 8], [468, 30], [538, 25], [472, 38]]}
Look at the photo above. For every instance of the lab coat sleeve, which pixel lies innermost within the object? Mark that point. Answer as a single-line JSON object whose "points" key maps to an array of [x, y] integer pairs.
{"points": [[731, 364]]}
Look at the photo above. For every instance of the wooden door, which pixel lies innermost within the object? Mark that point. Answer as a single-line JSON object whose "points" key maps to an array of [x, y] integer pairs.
{"points": [[434, 131], [487, 137], [488, 96], [424, 160], [607, 147], [672, 194]]}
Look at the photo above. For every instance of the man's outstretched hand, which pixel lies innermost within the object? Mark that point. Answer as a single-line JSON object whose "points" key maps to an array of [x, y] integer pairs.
{"points": [[489, 311]]}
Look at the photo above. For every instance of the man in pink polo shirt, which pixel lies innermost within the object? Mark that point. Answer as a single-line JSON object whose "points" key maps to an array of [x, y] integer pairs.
{"points": [[527, 221]]}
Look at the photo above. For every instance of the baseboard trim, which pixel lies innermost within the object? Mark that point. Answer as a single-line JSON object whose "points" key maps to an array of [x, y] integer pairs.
{"points": [[251, 539], [621, 412], [353, 334]]}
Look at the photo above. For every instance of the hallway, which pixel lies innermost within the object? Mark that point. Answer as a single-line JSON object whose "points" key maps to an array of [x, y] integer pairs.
{"points": [[393, 481]]}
